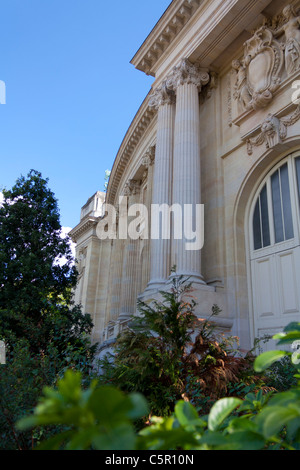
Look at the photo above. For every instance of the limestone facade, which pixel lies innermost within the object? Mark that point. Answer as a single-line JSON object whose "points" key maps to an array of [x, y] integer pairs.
{"points": [[219, 128]]}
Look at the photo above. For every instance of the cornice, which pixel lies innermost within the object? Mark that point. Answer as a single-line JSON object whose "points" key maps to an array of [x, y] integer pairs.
{"points": [[137, 128], [168, 27], [84, 225]]}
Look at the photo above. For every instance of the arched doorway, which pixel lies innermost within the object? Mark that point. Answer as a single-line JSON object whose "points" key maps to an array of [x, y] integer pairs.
{"points": [[275, 249]]}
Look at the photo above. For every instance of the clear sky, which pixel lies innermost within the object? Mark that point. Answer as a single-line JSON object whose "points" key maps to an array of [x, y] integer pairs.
{"points": [[71, 92]]}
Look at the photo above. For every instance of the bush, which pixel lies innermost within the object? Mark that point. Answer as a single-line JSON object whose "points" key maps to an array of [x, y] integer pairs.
{"points": [[102, 417], [157, 357]]}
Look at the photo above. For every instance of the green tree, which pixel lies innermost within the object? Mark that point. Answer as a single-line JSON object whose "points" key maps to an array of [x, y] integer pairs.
{"points": [[37, 271], [44, 332]]}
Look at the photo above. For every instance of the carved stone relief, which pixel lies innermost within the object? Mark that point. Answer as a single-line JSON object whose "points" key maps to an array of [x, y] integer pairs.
{"points": [[148, 157], [291, 31], [270, 55], [132, 187], [273, 130], [258, 75], [161, 96]]}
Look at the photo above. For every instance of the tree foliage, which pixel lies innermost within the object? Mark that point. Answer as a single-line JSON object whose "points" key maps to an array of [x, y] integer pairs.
{"points": [[44, 332], [37, 271]]}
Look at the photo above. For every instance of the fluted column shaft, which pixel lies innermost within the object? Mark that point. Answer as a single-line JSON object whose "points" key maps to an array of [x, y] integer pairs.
{"points": [[129, 271], [116, 281], [164, 101], [186, 81]]}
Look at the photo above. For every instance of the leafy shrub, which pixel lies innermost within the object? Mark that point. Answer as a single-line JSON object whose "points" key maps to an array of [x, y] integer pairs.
{"points": [[259, 421], [97, 418], [157, 357], [22, 380], [102, 417]]}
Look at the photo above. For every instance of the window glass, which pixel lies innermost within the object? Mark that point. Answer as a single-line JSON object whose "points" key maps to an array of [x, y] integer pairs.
{"points": [[277, 207], [286, 203], [257, 227], [297, 163], [265, 216]]}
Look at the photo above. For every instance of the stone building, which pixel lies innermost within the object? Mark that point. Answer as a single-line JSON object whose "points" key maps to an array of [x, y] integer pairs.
{"points": [[219, 129]]}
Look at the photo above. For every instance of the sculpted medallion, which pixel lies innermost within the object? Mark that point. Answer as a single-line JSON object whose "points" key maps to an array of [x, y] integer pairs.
{"points": [[258, 75], [270, 55]]}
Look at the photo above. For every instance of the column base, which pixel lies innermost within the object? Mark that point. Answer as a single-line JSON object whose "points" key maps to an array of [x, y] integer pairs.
{"points": [[124, 316], [155, 284], [193, 278]]}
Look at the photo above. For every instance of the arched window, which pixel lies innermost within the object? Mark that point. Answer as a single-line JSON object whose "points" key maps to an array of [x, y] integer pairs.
{"points": [[275, 248]]}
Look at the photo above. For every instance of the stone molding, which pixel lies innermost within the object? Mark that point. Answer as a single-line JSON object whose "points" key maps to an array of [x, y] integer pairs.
{"points": [[273, 130], [83, 227], [138, 127], [172, 22]]}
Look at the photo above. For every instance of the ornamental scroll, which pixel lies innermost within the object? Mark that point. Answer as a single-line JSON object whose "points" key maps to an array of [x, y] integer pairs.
{"points": [[270, 55]]}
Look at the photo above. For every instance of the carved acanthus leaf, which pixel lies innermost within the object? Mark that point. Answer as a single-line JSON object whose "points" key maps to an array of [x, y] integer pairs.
{"points": [[161, 96], [186, 72], [148, 157]]}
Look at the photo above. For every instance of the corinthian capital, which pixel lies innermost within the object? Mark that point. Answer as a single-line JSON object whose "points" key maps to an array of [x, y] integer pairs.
{"points": [[148, 157], [161, 96], [186, 72]]}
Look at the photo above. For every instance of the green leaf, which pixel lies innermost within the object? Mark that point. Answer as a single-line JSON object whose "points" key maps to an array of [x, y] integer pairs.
{"points": [[286, 338], [220, 410], [244, 440], [139, 406], [242, 423], [55, 442], [213, 438], [274, 418], [264, 360], [109, 405], [121, 437], [293, 326], [185, 413]]}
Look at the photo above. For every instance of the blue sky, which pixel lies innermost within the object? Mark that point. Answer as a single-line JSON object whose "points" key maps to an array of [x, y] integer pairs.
{"points": [[71, 91]]}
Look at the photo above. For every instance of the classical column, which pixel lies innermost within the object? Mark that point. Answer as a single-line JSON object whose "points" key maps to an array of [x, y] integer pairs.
{"points": [[130, 259], [186, 81], [148, 164], [164, 101], [116, 278]]}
